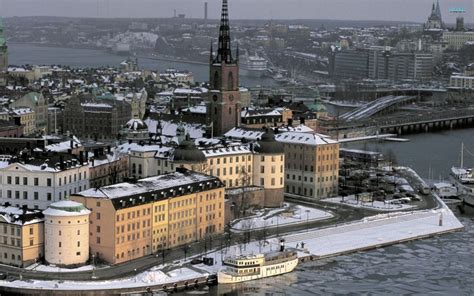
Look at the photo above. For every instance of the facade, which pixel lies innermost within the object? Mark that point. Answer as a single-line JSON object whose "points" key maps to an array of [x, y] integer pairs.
{"points": [[461, 82], [132, 220], [22, 237], [236, 164], [311, 162], [455, 40], [66, 233], [36, 102], [10, 129], [108, 169], [100, 119], [36, 184], [259, 117], [26, 118], [224, 104], [350, 64]]}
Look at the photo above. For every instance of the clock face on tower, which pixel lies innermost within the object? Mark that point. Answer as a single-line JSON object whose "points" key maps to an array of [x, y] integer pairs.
{"points": [[231, 98]]}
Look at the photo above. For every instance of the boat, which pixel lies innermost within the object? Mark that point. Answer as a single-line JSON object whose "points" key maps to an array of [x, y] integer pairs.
{"points": [[244, 268], [255, 65], [461, 174], [446, 190]]}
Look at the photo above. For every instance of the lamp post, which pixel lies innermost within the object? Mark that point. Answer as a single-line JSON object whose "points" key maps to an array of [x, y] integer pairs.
{"points": [[307, 220], [93, 266]]}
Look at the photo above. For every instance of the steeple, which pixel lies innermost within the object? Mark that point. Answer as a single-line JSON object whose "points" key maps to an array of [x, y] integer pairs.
{"points": [[224, 52], [438, 10]]}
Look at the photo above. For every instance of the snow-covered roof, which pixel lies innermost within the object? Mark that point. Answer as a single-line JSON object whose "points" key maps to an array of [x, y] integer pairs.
{"points": [[169, 128], [18, 216], [235, 150], [303, 138], [200, 109], [66, 208], [64, 146], [168, 182]]}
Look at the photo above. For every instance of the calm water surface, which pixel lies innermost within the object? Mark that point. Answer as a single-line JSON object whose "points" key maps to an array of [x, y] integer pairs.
{"points": [[22, 54]]}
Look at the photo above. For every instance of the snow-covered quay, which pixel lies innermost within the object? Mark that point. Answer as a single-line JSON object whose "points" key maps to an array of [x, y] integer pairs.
{"points": [[369, 233]]}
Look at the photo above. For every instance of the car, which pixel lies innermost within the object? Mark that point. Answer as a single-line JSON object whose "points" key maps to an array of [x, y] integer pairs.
{"points": [[196, 261]]}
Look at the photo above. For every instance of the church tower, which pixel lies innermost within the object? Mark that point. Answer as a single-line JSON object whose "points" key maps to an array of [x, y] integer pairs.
{"points": [[223, 109]]}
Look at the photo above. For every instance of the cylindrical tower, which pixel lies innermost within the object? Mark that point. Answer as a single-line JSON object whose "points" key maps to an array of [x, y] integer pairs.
{"points": [[66, 232]]}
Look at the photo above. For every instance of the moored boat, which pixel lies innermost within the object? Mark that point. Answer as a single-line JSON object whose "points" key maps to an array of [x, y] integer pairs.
{"points": [[251, 267]]}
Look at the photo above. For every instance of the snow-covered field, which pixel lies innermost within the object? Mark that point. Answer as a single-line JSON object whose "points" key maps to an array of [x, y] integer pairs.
{"points": [[291, 214], [377, 205]]}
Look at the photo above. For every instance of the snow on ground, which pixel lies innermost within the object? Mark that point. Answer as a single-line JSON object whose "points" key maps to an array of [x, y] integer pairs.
{"points": [[377, 205], [53, 268], [153, 276], [291, 214]]}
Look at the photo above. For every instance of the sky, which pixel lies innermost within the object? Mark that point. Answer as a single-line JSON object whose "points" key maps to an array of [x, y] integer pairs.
{"points": [[395, 10]]}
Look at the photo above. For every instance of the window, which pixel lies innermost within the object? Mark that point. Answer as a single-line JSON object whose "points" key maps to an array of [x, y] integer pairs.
{"points": [[9, 193], [31, 230], [25, 181], [36, 181], [17, 194], [17, 180], [78, 253], [78, 243], [98, 240], [25, 195], [9, 179], [48, 182], [262, 169], [97, 216], [31, 242], [35, 195], [262, 182], [49, 196], [60, 244], [98, 229]]}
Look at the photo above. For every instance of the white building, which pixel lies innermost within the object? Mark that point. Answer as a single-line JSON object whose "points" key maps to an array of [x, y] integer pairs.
{"points": [[37, 186], [455, 40]]}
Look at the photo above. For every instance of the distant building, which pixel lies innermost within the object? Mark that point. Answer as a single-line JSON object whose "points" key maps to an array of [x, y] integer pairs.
{"points": [[435, 20], [10, 129], [455, 40], [132, 220], [95, 119], [3, 57], [36, 102], [26, 118], [350, 64]]}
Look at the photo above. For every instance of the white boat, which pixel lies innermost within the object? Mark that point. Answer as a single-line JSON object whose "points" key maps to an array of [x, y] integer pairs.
{"points": [[446, 190], [255, 65], [461, 174], [252, 267]]}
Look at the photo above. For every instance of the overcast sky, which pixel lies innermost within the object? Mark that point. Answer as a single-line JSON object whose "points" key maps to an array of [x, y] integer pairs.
{"points": [[402, 10]]}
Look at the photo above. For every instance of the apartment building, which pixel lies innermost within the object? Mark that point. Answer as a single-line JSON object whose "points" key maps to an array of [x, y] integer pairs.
{"points": [[21, 236], [38, 182], [131, 220]]}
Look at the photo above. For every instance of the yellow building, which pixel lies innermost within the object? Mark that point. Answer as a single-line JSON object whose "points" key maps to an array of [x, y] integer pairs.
{"points": [[25, 117], [131, 220], [21, 231]]}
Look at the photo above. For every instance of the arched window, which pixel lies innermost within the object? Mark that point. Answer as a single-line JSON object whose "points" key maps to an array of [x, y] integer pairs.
{"points": [[230, 81], [216, 80]]}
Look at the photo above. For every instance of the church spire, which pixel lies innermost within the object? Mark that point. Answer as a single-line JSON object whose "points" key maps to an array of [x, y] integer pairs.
{"points": [[224, 53], [438, 9]]}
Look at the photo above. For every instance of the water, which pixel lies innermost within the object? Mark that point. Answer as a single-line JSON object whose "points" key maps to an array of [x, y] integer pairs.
{"points": [[22, 54], [437, 266]]}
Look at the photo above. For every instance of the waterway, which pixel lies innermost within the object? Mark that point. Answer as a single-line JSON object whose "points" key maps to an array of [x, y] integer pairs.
{"points": [[23, 54]]}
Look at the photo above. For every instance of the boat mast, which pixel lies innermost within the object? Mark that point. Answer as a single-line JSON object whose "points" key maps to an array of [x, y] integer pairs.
{"points": [[462, 155]]}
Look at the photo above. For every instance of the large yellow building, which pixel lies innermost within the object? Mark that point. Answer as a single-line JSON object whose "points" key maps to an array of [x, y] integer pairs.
{"points": [[22, 238], [131, 220]]}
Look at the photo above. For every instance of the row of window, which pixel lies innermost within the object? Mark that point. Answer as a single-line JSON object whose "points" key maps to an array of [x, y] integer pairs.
{"points": [[24, 180]]}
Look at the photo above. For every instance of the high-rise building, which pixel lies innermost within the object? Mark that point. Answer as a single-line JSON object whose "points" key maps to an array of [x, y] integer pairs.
{"points": [[224, 96], [3, 57]]}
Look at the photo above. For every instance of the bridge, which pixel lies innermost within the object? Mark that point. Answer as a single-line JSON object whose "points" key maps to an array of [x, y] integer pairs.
{"points": [[379, 106], [405, 124]]}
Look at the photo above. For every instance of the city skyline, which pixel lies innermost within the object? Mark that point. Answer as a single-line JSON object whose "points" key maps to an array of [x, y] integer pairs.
{"points": [[390, 10]]}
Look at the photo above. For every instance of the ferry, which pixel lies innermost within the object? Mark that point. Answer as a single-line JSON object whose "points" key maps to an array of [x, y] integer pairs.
{"points": [[239, 269], [255, 65]]}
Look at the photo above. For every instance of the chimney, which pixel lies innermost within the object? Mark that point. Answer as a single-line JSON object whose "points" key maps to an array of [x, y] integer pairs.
{"points": [[81, 157]]}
